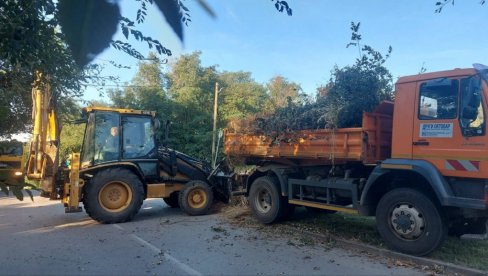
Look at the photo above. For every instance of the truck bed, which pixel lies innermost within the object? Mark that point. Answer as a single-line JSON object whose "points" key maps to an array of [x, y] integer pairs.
{"points": [[367, 144]]}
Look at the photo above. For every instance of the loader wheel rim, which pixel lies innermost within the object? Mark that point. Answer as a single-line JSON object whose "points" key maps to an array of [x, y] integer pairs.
{"points": [[407, 222], [197, 198], [263, 201], [115, 196]]}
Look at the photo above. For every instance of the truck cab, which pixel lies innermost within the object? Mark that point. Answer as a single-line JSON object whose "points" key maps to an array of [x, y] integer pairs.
{"points": [[439, 127], [443, 122], [439, 148]]}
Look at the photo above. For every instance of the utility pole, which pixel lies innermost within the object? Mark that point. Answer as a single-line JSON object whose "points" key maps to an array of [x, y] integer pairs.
{"points": [[214, 131]]}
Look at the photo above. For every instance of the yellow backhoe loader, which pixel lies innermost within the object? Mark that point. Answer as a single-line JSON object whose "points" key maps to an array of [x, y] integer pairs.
{"points": [[119, 166]]}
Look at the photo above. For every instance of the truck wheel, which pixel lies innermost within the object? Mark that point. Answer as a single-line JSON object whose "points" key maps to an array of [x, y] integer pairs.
{"points": [[195, 198], [266, 203], [410, 222], [172, 200], [113, 196]]}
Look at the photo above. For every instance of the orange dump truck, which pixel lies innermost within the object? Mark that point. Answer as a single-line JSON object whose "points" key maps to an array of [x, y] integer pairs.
{"points": [[420, 164]]}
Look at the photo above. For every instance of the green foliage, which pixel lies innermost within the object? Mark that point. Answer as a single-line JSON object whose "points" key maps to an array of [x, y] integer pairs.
{"points": [[71, 140], [89, 25], [280, 91], [240, 96], [441, 4], [282, 6], [351, 91], [185, 94], [191, 88], [31, 41], [146, 91], [360, 87], [17, 188], [354, 91], [296, 115]]}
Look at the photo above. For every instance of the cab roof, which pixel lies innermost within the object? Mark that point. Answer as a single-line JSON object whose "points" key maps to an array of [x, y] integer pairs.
{"points": [[90, 109], [440, 74]]}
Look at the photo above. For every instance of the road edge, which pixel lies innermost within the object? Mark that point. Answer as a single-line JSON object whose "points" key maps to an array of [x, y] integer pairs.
{"points": [[447, 267]]}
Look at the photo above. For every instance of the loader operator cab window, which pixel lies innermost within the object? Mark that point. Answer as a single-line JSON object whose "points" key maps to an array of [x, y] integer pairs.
{"points": [[107, 137], [472, 118], [438, 99], [138, 137]]}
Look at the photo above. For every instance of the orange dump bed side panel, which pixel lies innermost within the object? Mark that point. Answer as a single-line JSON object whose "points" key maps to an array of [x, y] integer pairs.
{"points": [[368, 144]]}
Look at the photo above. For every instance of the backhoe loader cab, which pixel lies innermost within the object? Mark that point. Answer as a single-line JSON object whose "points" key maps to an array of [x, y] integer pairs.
{"points": [[114, 135], [121, 165]]}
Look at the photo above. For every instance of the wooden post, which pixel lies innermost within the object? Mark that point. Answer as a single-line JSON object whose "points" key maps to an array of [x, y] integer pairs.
{"points": [[214, 130]]}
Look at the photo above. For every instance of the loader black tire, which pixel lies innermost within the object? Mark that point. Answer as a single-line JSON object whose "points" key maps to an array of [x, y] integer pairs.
{"points": [[113, 195], [173, 200], [196, 198], [410, 222], [266, 202]]}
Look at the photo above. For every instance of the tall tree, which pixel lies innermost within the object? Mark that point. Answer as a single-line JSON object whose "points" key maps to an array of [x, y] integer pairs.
{"points": [[280, 91], [31, 41], [359, 87], [146, 88], [241, 96], [191, 87], [146, 91]]}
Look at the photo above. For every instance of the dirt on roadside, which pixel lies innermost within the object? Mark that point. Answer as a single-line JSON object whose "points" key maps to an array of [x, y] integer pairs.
{"points": [[295, 234]]}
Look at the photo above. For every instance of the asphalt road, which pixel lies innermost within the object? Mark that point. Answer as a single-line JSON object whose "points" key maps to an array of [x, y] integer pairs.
{"points": [[39, 238]]}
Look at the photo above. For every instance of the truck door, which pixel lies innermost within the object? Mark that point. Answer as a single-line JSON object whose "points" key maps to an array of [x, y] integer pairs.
{"points": [[449, 128]]}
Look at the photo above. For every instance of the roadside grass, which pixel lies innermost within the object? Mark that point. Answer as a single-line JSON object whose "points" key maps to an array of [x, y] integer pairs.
{"points": [[471, 253]]}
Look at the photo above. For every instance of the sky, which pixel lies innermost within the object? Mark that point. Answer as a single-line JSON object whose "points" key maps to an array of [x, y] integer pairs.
{"points": [[250, 35]]}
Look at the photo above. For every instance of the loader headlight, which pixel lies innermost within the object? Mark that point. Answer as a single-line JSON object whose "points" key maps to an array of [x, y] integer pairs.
{"points": [[18, 173]]}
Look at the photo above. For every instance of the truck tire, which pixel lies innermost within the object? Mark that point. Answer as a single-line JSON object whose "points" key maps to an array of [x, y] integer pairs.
{"points": [[195, 198], [267, 205], [113, 195], [172, 200], [410, 222]]}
